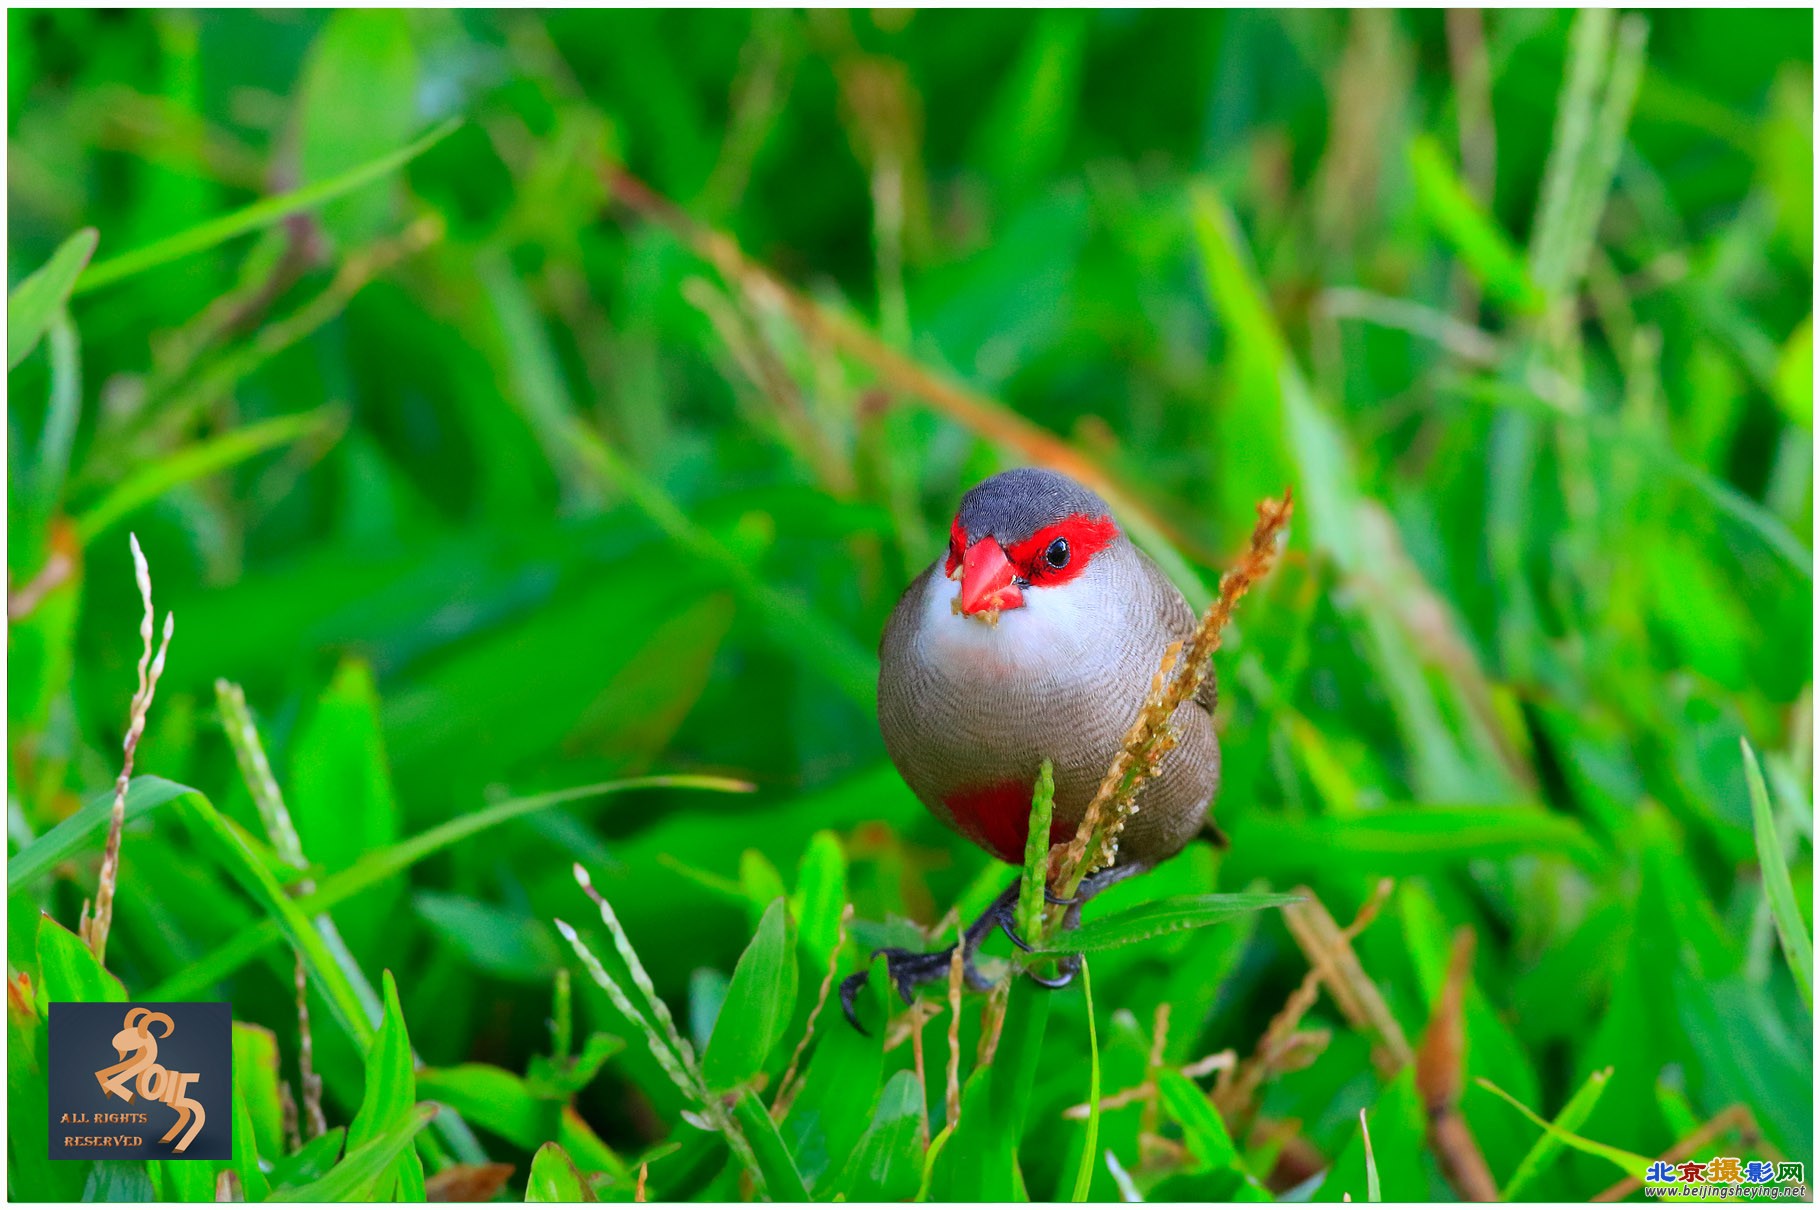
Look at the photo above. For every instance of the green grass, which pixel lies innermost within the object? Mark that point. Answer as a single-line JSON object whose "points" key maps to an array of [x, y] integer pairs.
{"points": [[541, 442]]}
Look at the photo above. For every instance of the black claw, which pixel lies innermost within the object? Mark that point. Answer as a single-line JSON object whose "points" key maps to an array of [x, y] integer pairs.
{"points": [[1054, 900], [1060, 981], [1012, 934], [849, 988]]}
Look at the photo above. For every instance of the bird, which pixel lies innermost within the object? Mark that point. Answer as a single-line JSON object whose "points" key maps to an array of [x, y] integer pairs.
{"points": [[1035, 636]]}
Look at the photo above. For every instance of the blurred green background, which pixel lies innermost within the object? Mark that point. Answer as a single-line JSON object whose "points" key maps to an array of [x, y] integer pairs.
{"points": [[502, 473]]}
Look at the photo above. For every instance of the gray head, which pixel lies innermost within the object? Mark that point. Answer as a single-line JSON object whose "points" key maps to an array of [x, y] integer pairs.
{"points": [[1024, 528], [1014, 504]]}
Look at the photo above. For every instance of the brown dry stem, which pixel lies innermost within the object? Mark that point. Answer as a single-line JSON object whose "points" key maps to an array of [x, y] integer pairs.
{"points": [[314, 1124], [992, 1022], [1440, 1077], [1732, 1117], [788, 1086], [1147, 1091], [94, 931], [1330, 952], [467, 1183], [957, 965], [1236, 1087], [1180, 673], [902, 374]]}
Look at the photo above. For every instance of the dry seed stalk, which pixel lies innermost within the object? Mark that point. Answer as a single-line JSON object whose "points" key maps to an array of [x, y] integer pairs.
{"points": [[1146, 1091], [905, 377], [287, 1106], [314, 1124], [956, 968], [992, 1021], [1330, 952], [1440, 1063], [256, 770], [1182, 669], [1732, 1117], [1236, 1087], [786, 1089], [95, 930], [922, 1076], [1150, 1117]]}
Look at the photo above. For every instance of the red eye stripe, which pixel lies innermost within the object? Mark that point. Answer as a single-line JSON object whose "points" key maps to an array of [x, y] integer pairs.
{"points": [[957, 546], [1087, 536]]}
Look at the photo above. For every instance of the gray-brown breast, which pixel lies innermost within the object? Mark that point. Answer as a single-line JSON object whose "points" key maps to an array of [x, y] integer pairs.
{"points": [[963, 705]]}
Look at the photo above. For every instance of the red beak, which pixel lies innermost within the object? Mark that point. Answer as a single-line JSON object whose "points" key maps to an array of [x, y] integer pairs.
{"points": [[988, 581]]}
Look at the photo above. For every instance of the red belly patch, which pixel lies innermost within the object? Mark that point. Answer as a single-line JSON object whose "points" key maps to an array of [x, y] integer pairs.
{"points": [[997, 818]]}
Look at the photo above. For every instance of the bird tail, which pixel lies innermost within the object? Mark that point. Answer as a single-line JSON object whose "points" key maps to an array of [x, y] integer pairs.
{"points": [[1212, 832]]}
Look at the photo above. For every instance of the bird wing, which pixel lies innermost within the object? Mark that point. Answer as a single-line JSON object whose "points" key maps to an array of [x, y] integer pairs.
{"points": [[1179, 622]]}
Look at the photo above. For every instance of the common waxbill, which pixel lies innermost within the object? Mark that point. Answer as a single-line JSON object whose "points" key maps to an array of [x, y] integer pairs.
{"points": [[1035, 636]]}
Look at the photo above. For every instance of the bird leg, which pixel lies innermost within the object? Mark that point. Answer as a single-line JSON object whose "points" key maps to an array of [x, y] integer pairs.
{"points": [[909, 968], [1090, 886]]}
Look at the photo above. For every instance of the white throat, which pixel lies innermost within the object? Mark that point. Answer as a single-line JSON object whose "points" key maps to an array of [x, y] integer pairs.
{"points": [[1050, 632]]}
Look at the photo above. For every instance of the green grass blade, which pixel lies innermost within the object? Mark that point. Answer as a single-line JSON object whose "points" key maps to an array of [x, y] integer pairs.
{"points": [[661, 1048], [820, 897], [1588, 42], [1203, 1130], [1030, 900], [799, 627], [1572, 1116], [62, 418], [362, 1165], [1146, 920], [757, 1008], [555, 1178], [35, 301], [979, 1161], [936, 1146], [203, 458], [250, 218], [1493, 259], [245, 1150], [375, 868], [349, 995], [887, 1162], [87, 829], [68, 969], [1399, 839], [1374, 1191], [312, 1161], [1630, 1163], [1797, 939], [1083, 1177], [772, 1162], [641, 978], [256, 1063], [391, 1089]]}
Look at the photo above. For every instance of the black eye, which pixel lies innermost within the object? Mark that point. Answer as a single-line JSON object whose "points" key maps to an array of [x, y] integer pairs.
{"points": [[1057, 554]]}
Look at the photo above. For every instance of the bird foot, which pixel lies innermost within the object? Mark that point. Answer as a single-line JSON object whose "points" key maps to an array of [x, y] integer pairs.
{"points": [[1064, 974], [908, 970], [1065, 969]]}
